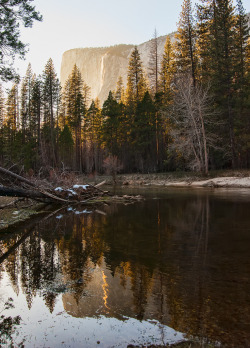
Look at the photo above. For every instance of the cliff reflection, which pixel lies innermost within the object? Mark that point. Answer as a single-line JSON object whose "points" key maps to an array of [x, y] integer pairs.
{"points": [[172, 260]]}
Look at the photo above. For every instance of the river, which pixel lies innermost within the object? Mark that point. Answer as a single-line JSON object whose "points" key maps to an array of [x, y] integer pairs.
{"points": [[172, 267]]}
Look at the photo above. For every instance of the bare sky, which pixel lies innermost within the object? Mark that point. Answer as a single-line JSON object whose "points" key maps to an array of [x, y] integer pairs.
{"points": [[93, 23]]}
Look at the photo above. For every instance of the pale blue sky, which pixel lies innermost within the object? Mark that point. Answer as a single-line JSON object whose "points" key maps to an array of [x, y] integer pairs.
{"points": [[93, 23]]}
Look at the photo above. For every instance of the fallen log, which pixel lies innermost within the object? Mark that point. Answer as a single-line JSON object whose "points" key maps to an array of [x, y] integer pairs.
{"points": [[78, 193], [11, 192]]}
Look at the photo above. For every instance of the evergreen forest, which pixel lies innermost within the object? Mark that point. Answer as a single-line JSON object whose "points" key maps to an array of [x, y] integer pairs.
{"points": [[190, 111]]}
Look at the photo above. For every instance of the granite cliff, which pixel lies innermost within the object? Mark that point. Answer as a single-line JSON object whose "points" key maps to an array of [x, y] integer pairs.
{"points": [[101, 67]]}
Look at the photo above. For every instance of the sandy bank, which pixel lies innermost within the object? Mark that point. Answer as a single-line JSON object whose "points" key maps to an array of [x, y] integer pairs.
{"points": [[170, 181]]}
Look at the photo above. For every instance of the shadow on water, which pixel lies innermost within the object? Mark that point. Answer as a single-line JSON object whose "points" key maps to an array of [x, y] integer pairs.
{"points": [[181, 261]]}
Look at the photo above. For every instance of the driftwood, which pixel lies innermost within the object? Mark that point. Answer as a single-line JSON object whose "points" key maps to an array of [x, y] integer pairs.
{"points": [[61, 195], [79, 193]]}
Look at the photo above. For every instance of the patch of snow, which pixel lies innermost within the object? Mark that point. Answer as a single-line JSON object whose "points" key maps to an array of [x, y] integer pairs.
{"points": [[72, 192], [59, 189], [80, 186], [85, 211], [59, 216]]}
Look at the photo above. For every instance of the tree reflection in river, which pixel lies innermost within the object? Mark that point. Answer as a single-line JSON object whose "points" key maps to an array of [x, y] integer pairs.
{"points": [[182, 260]]}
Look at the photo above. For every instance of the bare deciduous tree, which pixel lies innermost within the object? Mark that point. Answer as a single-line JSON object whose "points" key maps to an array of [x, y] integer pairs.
{"points": [[112, 166], [193, 122]]}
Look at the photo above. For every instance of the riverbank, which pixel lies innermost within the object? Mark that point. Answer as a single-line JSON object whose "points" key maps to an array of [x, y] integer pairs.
{"points": [[13, 214], [226, 179]]}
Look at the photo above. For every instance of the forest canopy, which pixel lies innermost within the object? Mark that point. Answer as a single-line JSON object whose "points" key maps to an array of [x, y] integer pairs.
{"points": [[190, 112]]}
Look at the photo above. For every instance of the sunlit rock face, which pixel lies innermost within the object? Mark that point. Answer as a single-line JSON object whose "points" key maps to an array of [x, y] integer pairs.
{"points": [[101, 67]]}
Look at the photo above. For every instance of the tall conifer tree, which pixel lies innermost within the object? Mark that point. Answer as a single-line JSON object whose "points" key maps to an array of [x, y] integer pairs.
{"points": [[216, 29], [136, 82], [92, 131], [25, 101], [36, 109], [167, 70], [119, 92], [2, 107], [154, 63], [185, 51], [110, 130], [75, 105], [11, 121], [50, 97], [51, 91], [241, 37]]}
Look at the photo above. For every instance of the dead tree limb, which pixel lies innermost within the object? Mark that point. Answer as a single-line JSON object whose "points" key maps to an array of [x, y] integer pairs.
{"points": [[47, 195], [16, 176]]}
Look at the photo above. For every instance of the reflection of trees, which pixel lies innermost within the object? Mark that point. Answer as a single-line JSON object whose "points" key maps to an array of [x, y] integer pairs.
{"points": [[171, 259], [56, 246], [175, 239], [140, 278]]}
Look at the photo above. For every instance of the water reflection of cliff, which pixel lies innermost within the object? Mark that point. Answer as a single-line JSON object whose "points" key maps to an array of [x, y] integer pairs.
{"points": [[172, 260]]}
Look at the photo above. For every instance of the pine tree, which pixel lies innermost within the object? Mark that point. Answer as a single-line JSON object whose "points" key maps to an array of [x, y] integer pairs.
{"points": [[136, 82], [2, 113], [11, 121], [1, 107], [185, 51], [66, 145], [92, 132], [110, 130], [50, 104], [75, 106], [25, 98], [51, 92], [119, 92], [241, 37], [216, 23], [154, 61], [248, 70], [167, 70], [143, 135], [14, 13], [12, 109], [36, 108]]}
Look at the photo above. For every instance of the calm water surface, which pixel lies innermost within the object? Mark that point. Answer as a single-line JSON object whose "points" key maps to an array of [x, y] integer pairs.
{"points": [[173, 266]]}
